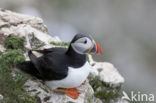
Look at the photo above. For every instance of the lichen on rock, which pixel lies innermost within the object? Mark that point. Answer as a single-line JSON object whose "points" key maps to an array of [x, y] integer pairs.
{"points": [[104, 81]]}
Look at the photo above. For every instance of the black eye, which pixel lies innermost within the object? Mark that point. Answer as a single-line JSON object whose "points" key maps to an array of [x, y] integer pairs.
{"points": [[85, 41]]}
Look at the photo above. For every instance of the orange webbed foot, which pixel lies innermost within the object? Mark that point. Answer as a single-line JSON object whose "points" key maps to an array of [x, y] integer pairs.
{"points": [[71, 92]]}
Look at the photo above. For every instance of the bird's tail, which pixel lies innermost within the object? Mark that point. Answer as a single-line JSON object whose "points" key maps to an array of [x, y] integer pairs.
{"points": [[29, 68]]}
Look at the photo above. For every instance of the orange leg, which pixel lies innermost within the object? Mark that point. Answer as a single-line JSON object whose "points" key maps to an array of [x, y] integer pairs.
{"points": [[71, 92]]}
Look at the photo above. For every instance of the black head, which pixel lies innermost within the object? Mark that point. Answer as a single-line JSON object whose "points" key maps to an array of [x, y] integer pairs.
{"points": [[83, 44]]}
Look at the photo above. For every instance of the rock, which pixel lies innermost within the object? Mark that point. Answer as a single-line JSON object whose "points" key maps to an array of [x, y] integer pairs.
{"points": [[48, 96], [1, 97], [106, 72], [104, 78], [2, 48]]}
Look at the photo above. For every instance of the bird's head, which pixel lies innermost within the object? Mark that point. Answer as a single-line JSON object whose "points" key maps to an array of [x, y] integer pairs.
{"points": [[83, 44]]}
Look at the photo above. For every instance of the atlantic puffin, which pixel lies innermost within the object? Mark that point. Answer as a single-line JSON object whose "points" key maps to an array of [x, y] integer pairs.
{"points": [[63, 69]]}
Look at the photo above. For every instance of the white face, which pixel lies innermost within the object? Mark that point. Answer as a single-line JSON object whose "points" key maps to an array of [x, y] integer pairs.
{"points": [[82, 45]]}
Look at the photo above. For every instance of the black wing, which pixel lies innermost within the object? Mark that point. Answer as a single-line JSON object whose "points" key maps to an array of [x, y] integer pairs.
{"points": [[29, 68], [50, 50], [52, 66]]}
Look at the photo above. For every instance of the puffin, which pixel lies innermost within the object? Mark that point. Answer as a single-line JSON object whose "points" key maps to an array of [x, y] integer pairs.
{"points": [[63, 69]]}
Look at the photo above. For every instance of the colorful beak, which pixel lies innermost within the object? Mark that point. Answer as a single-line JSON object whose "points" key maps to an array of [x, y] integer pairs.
{"points": [[96, 49]]}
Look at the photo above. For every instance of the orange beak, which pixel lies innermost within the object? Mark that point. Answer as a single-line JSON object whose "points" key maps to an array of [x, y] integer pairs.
{"points": [[99, 50], [96, 48]]}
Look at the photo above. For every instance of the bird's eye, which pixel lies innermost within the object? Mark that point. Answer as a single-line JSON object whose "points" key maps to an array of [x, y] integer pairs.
{"points": [[85, 41]]}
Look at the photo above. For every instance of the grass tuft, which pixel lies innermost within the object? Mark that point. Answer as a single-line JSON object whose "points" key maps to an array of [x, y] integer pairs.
{"points": [[60, 43]]}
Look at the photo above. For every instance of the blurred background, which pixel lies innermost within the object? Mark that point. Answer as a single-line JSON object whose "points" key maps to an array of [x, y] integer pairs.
{"points": [[126, 30]]}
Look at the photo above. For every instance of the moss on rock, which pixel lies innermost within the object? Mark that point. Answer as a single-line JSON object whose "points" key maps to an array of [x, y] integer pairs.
{"points": [[103, 90], [12, 57], [60, 43], [12, 86], [14, 42], [1, 53], [12, 81]]}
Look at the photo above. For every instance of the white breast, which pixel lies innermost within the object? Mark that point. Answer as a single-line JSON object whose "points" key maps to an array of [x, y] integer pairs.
{"points": [[75, 77]]}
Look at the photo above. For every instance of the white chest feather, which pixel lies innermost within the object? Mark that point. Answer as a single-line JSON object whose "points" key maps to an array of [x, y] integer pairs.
{"points": [[75, 77]]}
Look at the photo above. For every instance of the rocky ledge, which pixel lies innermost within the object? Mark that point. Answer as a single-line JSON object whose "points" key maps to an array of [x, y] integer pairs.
{"points": [[103, 84]]}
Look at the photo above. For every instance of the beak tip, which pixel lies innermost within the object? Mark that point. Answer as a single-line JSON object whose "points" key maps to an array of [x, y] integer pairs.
{"points": [[99, 50]]}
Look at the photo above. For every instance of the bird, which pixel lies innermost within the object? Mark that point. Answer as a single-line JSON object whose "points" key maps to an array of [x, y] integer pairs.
{"points": [[63, 69]]}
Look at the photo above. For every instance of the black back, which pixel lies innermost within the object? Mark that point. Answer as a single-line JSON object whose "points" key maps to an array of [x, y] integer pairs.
{"points": [[53, 65]]}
